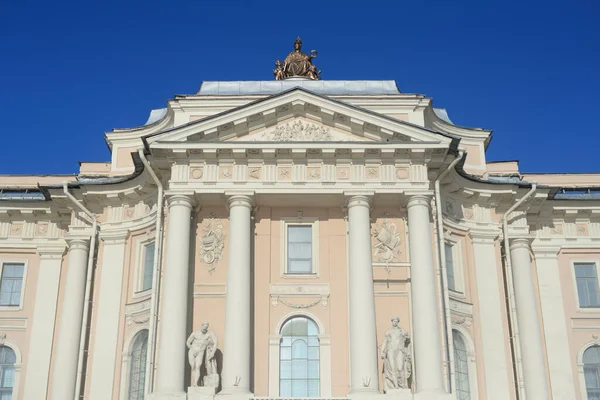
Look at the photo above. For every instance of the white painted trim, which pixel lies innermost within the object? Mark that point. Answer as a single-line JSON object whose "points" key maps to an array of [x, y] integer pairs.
{"points": [[471, 359], [324, 355], [307, 221], [23, 282], [594, 261], [457, 260]]}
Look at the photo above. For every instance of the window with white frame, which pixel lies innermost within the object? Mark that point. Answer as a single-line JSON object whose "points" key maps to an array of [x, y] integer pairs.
{"points": [[591, 370], [461, 367], [450, 273], [137, 370], [300, 248], [586, 278], [148, 266], [7, 372], [299, 359], [11, 284]]}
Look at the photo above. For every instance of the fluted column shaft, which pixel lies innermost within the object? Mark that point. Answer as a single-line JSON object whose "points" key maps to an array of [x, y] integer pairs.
{"points": [[237, 350], [361, 298], [530, 334], [426, 329], [71, 315], [171, 356]]}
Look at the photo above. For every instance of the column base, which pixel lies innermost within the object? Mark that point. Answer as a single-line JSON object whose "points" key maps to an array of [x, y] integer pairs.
{"points": [[366, 394], [201, 393], [229, 394], [399, 394], [167, 396]]}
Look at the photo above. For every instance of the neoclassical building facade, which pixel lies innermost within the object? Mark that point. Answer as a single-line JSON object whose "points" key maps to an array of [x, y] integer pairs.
{"points": [[299, 238]]}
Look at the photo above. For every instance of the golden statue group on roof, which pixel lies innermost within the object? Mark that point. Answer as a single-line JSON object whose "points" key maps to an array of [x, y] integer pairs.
{"points": [[297, 64]]}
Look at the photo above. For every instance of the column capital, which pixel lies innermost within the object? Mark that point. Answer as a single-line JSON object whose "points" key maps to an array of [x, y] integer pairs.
{"points": [[419, 200], [184, 200], [78, 242], [363, 199], [520, 243], [241, 199]]}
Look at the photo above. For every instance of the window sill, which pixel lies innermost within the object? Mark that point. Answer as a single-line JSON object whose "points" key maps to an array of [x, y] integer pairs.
{"points": [[12, 308], [142, 293], [456, 295], [590, 310], [300, 276]]}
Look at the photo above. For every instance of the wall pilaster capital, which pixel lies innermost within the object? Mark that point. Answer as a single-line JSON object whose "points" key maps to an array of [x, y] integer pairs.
{"points": [[484, 236], [545, 251], [76, 242], [420, 200], [51, 251], [114, 237], [359, 199], [180, 200], [240, 199]]}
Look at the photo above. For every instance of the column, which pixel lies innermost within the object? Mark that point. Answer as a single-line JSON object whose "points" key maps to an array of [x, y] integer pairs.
{"points": [[170, 376], [555, 324], [71, 315], [530, 335], [44, 315], [490, 300], [236, 346], [361, 298], [108, 315], [426, 328]]}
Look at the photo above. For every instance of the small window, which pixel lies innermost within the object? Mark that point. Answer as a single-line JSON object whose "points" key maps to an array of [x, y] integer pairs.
{"points": [[11, 284], [148, 266], [587, 285], [7, 372], [449, 249], [137, 371], [591, 370], [461, 367], [299, 249]]}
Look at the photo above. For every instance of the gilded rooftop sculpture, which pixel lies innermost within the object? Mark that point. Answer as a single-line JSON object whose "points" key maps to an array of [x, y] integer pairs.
{"points": [[297, 64]]}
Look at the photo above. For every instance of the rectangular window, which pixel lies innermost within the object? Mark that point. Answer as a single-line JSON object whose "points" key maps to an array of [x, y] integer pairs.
{"points": [[148, 266], [299, 249], [449, 250], [11, 284], [587, 284]]}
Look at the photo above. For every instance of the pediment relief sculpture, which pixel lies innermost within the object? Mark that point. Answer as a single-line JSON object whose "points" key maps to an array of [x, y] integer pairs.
{"points": [[299, 130]]}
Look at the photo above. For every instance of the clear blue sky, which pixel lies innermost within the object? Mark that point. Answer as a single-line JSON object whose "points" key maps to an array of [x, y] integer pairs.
{"points": [[72, 70]]}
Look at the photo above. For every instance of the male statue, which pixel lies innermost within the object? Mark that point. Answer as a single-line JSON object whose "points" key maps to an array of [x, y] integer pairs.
{"points": [[203, 345], [396, 356]]}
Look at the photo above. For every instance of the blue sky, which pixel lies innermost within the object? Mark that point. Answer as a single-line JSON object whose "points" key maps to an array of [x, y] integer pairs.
{"points": [[72, 70]]}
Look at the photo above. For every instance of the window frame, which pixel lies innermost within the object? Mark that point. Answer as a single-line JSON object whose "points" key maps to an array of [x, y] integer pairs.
{"points": [[301, 221], [471, 359], [140, 257], [457, 263], [23, 282], [596, 262]]}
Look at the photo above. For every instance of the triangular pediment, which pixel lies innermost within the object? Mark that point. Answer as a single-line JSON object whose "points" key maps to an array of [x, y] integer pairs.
{"points": [[297, 116]]}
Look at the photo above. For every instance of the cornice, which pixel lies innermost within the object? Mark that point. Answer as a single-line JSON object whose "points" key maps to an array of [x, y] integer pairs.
{"points": [[438, 124]]}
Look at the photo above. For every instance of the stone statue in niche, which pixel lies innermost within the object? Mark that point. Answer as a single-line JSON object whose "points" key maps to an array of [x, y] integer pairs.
{"points": [[202, 347], [397, 357]]}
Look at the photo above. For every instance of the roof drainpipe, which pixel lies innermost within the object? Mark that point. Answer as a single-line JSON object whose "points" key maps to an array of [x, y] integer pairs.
{"points": [[155, 277], [511, 294], [88, 286], [443, 277]]}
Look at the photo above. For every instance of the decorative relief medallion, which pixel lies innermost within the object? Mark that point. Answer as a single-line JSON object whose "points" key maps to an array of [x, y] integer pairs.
{"points": [[212, 242], [285, 173], [297, 131], [254, 172], [467, 321], [343, 173], [16, 229], [582, 229], [558, 230], [402, 173], [314, 173], [373, 172], [226, 172], [387, 249], [197, 173], [42, 230]]}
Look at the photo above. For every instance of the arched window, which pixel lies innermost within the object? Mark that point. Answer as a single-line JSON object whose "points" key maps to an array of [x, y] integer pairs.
{"points": [[7, 372], [137, 370], [461, 367], [299, 359], [591, 370]]}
